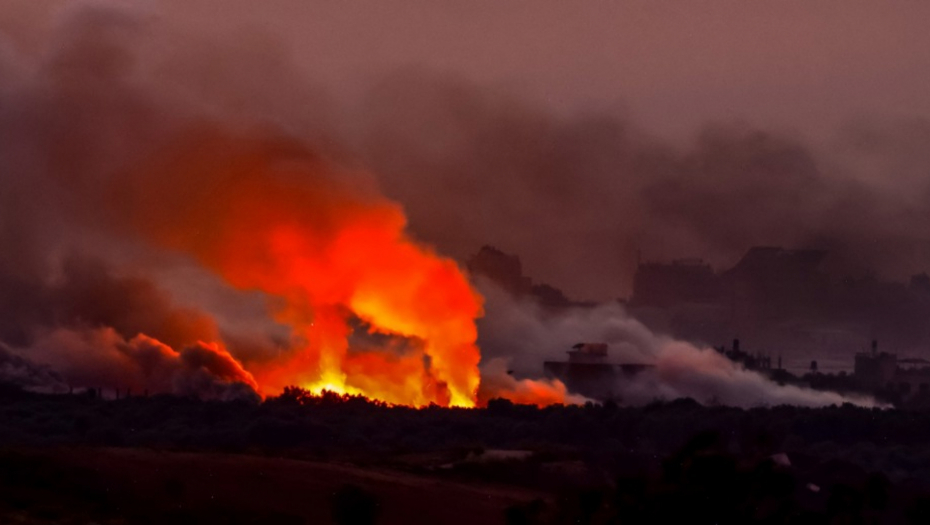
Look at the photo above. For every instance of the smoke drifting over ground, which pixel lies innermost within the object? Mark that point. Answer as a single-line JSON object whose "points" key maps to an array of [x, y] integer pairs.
{"points": [[104, 358], [519, 334]]}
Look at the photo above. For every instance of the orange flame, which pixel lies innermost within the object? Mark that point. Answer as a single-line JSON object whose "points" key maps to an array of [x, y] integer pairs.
{"points": [[268, 215]]}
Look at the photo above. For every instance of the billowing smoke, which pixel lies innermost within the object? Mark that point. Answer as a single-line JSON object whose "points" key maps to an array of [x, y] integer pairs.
{"points": [[147, 173], [139, 169], [85, 300], [582, 198], [22, 373], [518, 334], [84, 293], [84, 326], [105, 359], [497, 381]]}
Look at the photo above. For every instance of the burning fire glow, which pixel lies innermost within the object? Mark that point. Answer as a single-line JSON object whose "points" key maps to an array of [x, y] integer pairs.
{"points": [[270, 216]]}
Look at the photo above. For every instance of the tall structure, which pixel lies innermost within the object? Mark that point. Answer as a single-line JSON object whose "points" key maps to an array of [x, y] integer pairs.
{"points": [[588, 353], [778, 298], [757, 361], [504, 269], [906, 381], [589, 372], [874, 369], [507, 272]]}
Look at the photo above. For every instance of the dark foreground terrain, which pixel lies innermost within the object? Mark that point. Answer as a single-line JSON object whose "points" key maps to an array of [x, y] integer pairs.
{"points": [[127, 485], [299, 459]]}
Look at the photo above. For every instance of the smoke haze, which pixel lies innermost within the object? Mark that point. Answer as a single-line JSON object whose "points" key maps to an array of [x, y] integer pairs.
{"points": [[598, 192], [475, 158], [105, 113], [143, 160]]}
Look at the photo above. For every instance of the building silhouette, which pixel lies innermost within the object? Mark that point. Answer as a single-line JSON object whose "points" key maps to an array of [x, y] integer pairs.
{"points": [[782, 301], [590, 372]]}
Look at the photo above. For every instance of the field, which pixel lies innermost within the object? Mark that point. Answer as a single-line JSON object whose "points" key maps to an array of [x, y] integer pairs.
{"points": [[68, 485]]}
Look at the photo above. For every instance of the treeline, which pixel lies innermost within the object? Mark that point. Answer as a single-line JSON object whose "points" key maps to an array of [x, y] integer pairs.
{"points": [[896, 442], [607, 463]]}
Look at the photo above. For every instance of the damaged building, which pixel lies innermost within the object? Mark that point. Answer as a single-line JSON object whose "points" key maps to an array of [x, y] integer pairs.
{"points": [[590, 372], [750, 361], [904, 379], [783, 301], [506, 271]]}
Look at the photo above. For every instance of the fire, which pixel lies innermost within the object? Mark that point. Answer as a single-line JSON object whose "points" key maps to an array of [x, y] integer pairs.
{"points": [[268, 215]]}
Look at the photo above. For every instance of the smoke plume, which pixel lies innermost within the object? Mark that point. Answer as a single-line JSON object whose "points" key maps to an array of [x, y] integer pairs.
{"points": [[518, 334], [134, 153], [139, 169], [104, 359]]}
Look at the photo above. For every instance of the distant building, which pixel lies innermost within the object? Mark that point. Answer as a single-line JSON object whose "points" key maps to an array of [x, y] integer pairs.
{"points": [[905, 380], [911, 382], [782, 299], [757, 362], [771, 284], [507, 272], [589, 372], [588, 353], [504, 269], [773, 263], [874, 369]]}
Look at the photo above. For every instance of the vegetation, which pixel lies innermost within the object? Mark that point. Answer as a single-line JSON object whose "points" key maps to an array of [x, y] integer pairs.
{"points": [[669, 462]]}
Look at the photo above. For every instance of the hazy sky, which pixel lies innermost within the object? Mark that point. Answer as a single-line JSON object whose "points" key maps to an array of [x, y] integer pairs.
{"points": [[671, 65]]}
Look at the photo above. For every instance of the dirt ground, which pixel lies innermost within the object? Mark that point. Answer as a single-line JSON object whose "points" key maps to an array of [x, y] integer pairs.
{"points": [[282, 490]]}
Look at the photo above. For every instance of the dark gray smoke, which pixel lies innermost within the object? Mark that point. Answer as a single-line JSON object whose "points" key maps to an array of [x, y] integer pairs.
{"points": [[22, 373], [78, 296], [85, 294], [583, 198]]}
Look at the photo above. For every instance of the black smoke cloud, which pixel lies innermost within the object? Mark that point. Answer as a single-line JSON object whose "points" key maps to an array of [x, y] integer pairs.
{"points": [[23, 373], [476, 166], [582, 198]]}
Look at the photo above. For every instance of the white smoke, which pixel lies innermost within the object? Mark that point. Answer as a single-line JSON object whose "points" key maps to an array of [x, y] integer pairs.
{"points": [[526, 334]]}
